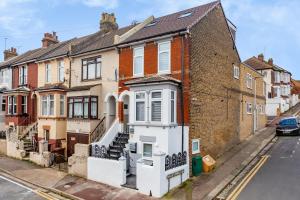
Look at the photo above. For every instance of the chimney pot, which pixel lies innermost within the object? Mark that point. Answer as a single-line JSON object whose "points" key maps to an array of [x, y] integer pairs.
{"points": [[49, 39], [10, 53], [270, 61], [261, 57], [108, 22]]}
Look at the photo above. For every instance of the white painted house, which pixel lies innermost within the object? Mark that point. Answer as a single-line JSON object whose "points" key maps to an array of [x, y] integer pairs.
{"points": [[277, 85]]}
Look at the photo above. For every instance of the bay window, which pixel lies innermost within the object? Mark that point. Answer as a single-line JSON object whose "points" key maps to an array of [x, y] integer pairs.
{"points": [[140, 106], [3, 104], [47, 103], [61, 71], [164, 57], [91, 68], [138, 61], [83, 107], [24, 104], [12, 105], [62, 105], [23, 75], [156, 99], [173, 107]]}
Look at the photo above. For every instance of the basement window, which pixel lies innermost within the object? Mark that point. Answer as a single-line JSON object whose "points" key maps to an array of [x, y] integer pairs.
{"points": [[185, 15]]}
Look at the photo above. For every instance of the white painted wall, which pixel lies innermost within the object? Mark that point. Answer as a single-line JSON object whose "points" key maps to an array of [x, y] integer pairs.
{"points": [[111, 172], [154, 178], [109, 135]]}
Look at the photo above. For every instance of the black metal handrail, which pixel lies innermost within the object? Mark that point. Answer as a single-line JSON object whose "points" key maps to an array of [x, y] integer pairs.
{"points": [[94, 135]]}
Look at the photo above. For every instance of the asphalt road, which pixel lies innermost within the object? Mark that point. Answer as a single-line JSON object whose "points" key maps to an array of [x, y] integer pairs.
{"points": [[10, 190], [279, 177]]}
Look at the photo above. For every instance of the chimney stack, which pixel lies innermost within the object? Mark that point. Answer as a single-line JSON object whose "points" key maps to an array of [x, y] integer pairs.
{"points": [[108, 22], [270, 61], [49, 39], [261, 57], [10, 53]]}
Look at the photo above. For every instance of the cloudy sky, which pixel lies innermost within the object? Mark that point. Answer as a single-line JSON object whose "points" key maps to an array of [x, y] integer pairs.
{"points": [[264, 26]]}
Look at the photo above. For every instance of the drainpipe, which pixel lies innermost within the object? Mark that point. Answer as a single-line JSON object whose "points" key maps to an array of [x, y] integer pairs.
{"points": [[181, 94]]}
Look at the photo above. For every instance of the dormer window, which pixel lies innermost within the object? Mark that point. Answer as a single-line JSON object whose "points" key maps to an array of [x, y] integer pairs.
{"points": [[185, 15]]}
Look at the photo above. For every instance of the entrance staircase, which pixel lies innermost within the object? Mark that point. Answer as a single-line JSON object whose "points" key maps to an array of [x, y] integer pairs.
{"points": [[115, 150]]}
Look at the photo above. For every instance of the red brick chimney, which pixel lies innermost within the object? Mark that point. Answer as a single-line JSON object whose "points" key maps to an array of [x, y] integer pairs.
{"points": [[108, 22], [49, 39], [10, 53], [260, 57], [270, 61]]}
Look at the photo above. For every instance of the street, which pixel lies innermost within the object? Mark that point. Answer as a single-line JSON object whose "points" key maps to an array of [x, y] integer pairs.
{"points": [[277, 177], [11, 190]]}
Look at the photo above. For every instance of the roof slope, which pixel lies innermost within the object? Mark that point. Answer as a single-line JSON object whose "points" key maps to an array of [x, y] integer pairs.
{"points": [[15, 59], [173, 23], [98, 41], [257, 64]]}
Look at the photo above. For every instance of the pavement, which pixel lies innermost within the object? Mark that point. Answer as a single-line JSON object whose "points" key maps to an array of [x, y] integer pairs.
{"points": [[59, 182]]}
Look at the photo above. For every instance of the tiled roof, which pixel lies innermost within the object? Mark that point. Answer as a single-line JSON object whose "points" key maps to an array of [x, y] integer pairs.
{"points": [[63, 49], [173, 23], [98, 41], [296, 87], [152, 79], [257, 64], [14, 59]]}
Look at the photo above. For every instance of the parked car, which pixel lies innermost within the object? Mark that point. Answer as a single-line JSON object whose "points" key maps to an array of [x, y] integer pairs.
{"points": [[288, 126]]}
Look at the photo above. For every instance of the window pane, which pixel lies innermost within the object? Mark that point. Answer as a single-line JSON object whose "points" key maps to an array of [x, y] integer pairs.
{"points": [[140, 111], [94, 109], [86, 108], [91, 71], [98, 73], [62, 105], [78, 109], [61, 71], [51, 109], [164, 61], [156, 94], [140, 96], [138, 65], [172, 111], [147, 152], [70, 110], [156, 111], [84, 72]]}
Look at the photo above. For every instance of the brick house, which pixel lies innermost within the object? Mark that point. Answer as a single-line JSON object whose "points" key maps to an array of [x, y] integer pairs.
{"points": [[53, 82], [295, 97], [167, 103], [278, 84], [253, 100]]}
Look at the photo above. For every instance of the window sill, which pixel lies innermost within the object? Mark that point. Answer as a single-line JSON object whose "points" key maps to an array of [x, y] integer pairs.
{"points": [[89, 80], [82, 119], [138, 76], [164, 72]]}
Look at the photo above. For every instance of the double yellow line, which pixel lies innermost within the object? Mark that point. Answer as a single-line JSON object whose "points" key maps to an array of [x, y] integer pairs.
{"points": [[236, 192], [44, 195]]}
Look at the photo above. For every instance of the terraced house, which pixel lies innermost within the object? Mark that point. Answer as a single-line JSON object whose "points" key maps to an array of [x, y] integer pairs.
{"points": [[278, 84], [168, 110], [253, 100], [53, 83]]}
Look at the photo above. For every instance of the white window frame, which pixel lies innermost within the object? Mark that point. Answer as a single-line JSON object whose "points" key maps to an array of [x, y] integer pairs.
{"points": [[147, 143], [198, 144], [249, 81], [249, 106], [140, 100], [3, 102], [23, 74], [278, 91], [136, 56], [47, 73], [24, 104], [161, 103], [61, 71], [277, 77], [62, 100], [9, 105], [168, 71], [236, 72], [175, 106], [48, 105]]}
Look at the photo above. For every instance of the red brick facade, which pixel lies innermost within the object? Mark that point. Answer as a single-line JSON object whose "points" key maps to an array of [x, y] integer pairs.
{"points": [[151, 68], [32, 81]]}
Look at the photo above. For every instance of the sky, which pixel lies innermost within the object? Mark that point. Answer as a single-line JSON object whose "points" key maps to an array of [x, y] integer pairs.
{"points": [[263, 26]]}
